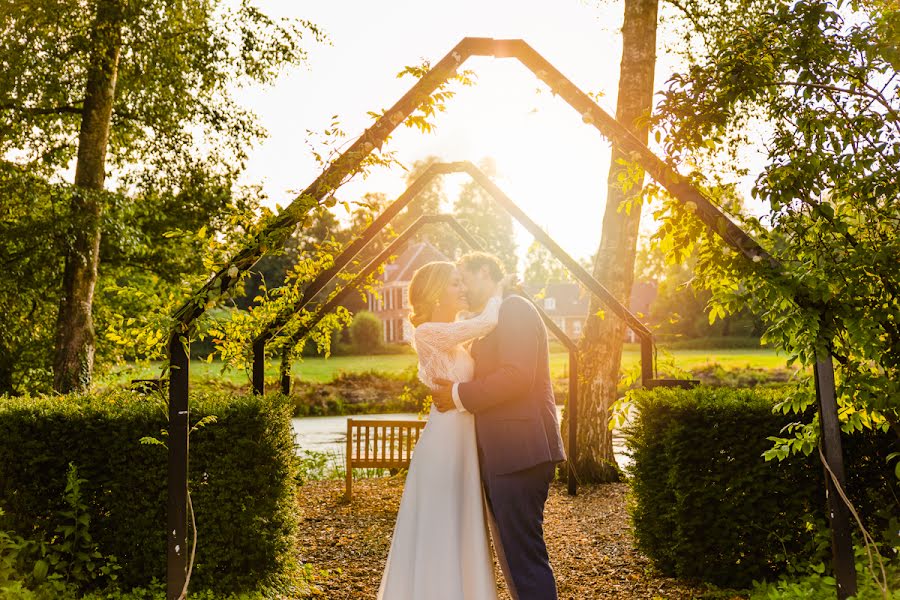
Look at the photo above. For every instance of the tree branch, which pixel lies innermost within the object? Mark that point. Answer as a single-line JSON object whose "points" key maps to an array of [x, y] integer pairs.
{"points": [[55, 110], [875, 96]]}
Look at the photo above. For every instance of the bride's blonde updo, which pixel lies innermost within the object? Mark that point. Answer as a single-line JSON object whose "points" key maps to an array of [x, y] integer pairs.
{"points": [[425, 289]]}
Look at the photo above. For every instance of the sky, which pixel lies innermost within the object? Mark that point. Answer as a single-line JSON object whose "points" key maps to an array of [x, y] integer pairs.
{"points": [[548, 161]]}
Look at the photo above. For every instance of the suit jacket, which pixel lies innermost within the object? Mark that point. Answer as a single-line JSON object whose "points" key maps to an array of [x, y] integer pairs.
{"points": [[511, 395]]}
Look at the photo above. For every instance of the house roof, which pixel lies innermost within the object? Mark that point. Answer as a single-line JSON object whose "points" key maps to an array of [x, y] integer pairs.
{"points": [[412, 258]]}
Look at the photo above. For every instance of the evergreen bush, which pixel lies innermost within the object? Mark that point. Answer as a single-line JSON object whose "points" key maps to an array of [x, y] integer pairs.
{"points": [[242, 480], [705, 503]]}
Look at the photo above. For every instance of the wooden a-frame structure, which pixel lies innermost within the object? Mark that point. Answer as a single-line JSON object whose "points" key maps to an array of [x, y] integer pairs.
{"points": [[347, 163]]}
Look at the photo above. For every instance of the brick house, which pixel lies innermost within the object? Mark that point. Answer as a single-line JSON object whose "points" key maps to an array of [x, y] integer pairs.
{"points": [[393, 305], [565, 303]]}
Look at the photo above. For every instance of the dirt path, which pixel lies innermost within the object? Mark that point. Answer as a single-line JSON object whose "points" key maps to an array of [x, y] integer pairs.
{"points": [[588, 536]]}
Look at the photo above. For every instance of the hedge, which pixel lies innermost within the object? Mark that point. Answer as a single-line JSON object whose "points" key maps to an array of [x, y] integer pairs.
{"points": [[241, 471], [706, 505]]}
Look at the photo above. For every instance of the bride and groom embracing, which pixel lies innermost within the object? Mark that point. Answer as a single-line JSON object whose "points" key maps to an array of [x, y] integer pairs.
{"points": [[488, 453]]}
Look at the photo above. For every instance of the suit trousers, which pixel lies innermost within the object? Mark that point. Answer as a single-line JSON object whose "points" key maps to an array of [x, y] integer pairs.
{"points": [[516, 501]]}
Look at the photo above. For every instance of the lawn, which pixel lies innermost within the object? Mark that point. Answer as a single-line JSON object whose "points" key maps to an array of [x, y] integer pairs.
{"points": [[324, 370]]}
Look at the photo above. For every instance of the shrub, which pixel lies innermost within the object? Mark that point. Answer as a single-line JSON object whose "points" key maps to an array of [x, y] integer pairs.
{"points": [[814, 583], [241, 472], [366, 332], [365, 392], [62, 566], [705, 504]]}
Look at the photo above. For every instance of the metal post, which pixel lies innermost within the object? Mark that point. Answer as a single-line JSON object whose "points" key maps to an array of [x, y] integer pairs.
{"points": [[839, 515], [259, 366], [647, 369], [286, 371], [176, 566], [572, 410]]}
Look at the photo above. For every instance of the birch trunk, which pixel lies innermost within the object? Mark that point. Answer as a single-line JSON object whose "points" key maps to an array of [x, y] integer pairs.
{"points": [[601, 346], [74, 354]]}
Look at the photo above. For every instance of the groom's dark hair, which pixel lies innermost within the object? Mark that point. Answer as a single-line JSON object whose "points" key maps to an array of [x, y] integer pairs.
{"points": [[473, 261]]}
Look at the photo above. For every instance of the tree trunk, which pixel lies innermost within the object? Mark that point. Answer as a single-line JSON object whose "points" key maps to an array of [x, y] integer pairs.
{"points": [[601, 346], [74, 360]]}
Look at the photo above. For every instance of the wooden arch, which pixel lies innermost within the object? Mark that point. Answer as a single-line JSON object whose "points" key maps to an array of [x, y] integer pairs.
{"points": [[278, 231], [648, 368]]}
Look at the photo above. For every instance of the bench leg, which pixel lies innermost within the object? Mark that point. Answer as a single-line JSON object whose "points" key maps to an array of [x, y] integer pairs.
{"points": [[349, 485], [348, 461]]}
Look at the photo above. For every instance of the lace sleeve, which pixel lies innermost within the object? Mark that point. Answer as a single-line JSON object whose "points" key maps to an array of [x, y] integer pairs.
{"points": [[445, 336]]}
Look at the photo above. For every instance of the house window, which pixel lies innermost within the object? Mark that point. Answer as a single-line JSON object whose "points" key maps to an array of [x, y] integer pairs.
{"points": [[404, 297], [576, 327], [550, 303]]}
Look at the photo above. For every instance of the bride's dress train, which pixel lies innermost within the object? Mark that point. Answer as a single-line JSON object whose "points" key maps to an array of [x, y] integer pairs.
{"points": [[440, 548]]}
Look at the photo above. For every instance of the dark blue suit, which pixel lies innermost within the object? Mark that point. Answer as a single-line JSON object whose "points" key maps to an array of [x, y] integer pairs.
{"points": [[511, 397]]}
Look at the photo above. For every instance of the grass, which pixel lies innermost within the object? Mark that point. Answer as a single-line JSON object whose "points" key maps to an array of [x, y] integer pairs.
{"points": [[324, 370]]}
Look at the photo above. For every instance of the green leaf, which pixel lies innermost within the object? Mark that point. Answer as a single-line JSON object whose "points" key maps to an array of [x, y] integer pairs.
{"points": [[40, 570]]}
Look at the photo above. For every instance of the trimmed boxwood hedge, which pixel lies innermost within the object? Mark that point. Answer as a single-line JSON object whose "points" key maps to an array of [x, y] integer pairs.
{"points": [[706, 505], [242, 470]]}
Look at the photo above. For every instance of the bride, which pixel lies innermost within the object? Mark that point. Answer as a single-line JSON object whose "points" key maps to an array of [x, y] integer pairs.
{"points": [[440, 548]]}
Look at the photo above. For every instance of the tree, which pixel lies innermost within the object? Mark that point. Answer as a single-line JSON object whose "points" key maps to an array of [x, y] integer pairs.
{"points": [[366, 332], [824, 81], [137, 81], [542, 268], [487, 221], [431, 200], [31, 241], [601, 345], [150, 245], [681, 308]]}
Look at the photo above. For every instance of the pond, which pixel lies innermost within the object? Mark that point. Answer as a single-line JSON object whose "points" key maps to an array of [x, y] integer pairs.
{"points": [[329, 434]]}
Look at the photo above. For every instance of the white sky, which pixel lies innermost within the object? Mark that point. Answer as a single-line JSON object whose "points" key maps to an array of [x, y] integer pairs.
{"points": [[549, 162]]}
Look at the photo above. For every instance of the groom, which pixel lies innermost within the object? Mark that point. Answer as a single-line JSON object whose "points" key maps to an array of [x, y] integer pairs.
{"points": [[515, 420]]}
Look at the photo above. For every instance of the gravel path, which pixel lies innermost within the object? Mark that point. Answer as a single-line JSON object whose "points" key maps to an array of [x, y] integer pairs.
{"points": [[588, 537]]}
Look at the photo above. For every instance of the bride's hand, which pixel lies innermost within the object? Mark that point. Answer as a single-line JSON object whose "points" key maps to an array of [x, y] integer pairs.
{"points": [[442, 396]]}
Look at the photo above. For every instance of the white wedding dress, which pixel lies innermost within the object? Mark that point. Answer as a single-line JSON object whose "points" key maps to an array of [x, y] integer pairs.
{"points": [[440, 549]]}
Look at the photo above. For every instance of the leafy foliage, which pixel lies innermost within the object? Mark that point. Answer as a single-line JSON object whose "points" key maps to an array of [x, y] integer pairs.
{"points": [[814, 582], [486, 220], [175, 74], [66, 562], [32, 236], [248, 453], [542, 268], [706, 503], [819, 81], [366, 332], [177, 142], [680, 309]]}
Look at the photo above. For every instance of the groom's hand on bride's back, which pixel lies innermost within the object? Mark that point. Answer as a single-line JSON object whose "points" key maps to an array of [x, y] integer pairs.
{"points": [[442, 396]]}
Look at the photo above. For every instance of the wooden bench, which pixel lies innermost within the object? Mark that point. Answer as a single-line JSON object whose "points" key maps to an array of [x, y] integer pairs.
{"points": [[378, 444]]}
